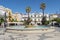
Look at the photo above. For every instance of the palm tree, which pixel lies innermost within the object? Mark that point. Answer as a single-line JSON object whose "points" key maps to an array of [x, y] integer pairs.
{"points": [[28, 9], [43, 6]]}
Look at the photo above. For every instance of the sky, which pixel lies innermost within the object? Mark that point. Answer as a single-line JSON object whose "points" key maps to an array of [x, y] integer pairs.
{"points": [[52, 6]]}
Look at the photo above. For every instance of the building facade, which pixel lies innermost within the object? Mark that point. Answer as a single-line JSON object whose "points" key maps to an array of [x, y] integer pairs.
{"points": [[36, 17], [52, 16]]}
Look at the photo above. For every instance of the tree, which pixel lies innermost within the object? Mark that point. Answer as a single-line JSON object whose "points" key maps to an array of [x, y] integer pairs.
{"points": [[47, 22], [57, 20], [10, 17], [12, 20], [43, 20], [26, 23], [1, 20], [42, 6], [28, 9]]}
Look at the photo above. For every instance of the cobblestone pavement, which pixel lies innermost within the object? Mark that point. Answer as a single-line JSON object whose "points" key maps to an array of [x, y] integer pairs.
{"points": [[35, 36]]}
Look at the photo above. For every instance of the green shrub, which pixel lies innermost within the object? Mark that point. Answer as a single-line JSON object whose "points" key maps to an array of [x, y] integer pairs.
{"points": [[57, 20], [43, 20], [1, 20], [27, 22], [47, 22]]}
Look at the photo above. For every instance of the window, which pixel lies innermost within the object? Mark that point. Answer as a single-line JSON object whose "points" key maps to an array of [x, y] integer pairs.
{"points": [[35, 15], [33, 20]]}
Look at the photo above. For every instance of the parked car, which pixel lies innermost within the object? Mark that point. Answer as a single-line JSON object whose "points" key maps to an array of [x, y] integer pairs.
{"points": [[57, 24]]}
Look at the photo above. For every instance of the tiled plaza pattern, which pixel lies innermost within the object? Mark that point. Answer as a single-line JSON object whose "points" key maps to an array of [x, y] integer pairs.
{"points": [[36, 36]]}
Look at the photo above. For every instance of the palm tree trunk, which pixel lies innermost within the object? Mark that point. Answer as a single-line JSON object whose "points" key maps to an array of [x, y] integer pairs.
{"points": [[28, 19], [28, 15], [43, 17], [43, 12]]}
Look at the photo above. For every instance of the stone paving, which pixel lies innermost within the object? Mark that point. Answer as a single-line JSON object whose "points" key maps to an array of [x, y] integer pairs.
{"points": [[55, 35]]}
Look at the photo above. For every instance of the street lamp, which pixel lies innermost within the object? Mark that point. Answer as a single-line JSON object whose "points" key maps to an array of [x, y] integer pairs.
{"points": [[5, 22]]}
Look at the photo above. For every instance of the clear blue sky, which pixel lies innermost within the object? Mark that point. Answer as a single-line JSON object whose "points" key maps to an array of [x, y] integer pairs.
{"points": [[52, 6]]}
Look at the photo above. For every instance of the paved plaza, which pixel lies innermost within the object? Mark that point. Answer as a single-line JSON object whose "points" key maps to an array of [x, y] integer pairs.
{"points": [[55, 35]]}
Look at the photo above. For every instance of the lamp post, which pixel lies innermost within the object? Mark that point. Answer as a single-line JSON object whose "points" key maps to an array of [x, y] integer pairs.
{"points": [[5, 22]]}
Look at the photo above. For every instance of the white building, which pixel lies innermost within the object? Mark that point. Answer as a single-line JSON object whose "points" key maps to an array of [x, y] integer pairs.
{"points": [[36, 17], [52, 16]]}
